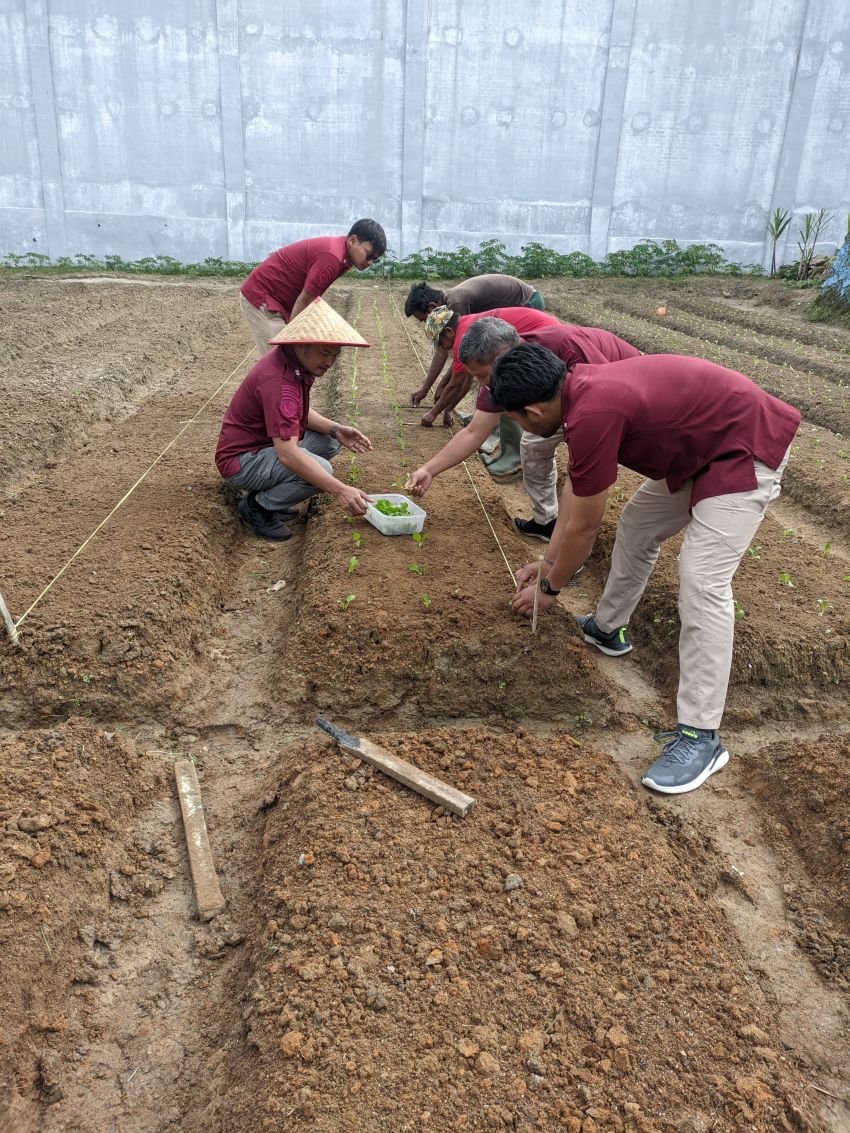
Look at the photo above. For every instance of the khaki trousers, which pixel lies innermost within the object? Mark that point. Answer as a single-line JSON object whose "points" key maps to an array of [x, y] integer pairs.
{"points": [[540, 474], [717, 533], [262, 323]]}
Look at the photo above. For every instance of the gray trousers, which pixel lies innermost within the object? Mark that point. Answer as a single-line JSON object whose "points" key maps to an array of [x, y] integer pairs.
{"points": [[276, 487], [540, 474], [717, 533]]}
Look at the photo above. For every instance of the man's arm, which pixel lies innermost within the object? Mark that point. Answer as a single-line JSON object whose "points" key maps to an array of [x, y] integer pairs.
{"points": [[437, 363], [455, 389], [301, 464], [303, 300], [462, 445], [347, 435], [575, 544]]}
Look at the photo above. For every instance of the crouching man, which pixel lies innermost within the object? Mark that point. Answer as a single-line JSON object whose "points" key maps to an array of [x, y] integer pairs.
{"points": [[713, 446], [272, 445]]}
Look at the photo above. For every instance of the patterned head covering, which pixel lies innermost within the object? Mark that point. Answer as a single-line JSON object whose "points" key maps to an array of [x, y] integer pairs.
{"points": [[437, 322]]}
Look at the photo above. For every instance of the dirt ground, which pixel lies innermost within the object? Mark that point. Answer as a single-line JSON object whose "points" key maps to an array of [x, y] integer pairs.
{"points": [[575, 954]]}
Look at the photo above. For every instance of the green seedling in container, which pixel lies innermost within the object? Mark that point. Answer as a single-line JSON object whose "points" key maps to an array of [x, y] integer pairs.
{"points": [[426, 601], [353, 564], [345, 602], [415, 568], [385, 507], [785, 579], [823, 606], [357, 540]]}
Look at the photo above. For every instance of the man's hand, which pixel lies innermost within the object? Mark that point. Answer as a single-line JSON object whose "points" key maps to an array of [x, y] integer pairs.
{"points": [[353, 439], [525, 575], [418, 482], [352, 500], [418, 396], [427, 420], [523, 602], [448, 419]]}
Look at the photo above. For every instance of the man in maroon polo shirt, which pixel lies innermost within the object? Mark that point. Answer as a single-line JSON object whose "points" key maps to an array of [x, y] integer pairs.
{"points": [[289, 279], [476, 341], [272, 444], [713, 446]]}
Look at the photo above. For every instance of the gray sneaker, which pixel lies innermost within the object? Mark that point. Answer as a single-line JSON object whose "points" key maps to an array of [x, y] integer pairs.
{"points": [[689, 757], [613, 644]]}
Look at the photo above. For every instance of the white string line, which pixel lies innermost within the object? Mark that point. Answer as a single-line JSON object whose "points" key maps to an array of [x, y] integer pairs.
{"points": [[129, 493], [466, 469]]}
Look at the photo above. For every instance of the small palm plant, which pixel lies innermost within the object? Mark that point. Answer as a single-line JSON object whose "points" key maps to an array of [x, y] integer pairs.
{"points": [[810, 231], [776, 228]]}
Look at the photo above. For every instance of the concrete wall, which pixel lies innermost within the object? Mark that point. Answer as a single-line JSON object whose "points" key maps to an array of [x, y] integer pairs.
{"points": [[195, 128]]}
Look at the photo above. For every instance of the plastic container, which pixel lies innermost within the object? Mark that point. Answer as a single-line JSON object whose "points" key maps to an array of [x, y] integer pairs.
{"points": [[395, 524]]}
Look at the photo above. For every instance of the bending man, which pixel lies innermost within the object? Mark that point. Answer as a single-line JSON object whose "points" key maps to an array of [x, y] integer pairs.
{"points": [[290, 279], [474, 295], [714, 446], [477, 342]]}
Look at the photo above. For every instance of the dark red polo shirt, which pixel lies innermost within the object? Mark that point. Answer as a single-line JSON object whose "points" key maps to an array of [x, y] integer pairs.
{"points": [[573, 345], [308, 265], [272, 401], [522, 319], [672, 418]]}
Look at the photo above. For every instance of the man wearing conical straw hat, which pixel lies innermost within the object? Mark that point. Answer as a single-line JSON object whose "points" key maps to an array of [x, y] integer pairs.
{"points": [[272, 445]]}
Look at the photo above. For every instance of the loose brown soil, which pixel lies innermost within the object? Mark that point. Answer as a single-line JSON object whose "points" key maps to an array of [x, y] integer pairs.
{"points": [[574, 954]]}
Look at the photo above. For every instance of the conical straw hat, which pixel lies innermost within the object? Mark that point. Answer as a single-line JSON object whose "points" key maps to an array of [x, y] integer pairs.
{"points": [[319, 322]]}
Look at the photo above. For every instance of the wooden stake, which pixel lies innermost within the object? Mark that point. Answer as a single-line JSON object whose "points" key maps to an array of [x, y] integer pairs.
{"points": [[14, 637], [536, 595], [208, 895], [420, 781]]}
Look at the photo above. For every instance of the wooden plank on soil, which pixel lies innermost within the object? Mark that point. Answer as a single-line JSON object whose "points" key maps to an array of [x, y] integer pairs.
{"points": [[208, 895], [402, 771]]}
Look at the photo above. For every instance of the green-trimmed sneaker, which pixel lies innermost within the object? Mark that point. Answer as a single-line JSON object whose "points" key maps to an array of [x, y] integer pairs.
{"points": [[615, 643], [689, 757]]}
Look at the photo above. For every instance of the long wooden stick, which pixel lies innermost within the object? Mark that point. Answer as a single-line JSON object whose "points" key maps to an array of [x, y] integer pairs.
{"points": [[420, 781], [208, 895], [14, 637], [536, 595]]}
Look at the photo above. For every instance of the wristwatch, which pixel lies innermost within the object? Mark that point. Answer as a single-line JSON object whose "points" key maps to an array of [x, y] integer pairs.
{"points": [[545, 588]]}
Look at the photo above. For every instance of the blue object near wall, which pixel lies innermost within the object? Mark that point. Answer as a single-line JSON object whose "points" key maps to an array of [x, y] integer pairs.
{"points": [[835, 289]]}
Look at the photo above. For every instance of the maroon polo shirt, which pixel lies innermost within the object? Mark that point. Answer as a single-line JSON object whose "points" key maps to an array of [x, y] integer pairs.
{"points": [[308, 265], [522, 319], [272, 401], [672, 418], [573, 345]]}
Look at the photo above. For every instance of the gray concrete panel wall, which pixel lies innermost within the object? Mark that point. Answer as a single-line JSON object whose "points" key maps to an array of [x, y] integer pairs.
{"points": [[196, 128]]}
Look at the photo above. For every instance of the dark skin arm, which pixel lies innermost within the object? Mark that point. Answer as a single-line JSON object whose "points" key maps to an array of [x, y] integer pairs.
{"points": [[455, 389], [437, 363]]}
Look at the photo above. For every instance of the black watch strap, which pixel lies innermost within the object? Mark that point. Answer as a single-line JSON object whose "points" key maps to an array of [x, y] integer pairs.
{"points": [[545, 588]]}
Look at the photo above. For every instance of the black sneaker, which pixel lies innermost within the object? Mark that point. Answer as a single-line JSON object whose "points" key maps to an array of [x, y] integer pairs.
{"points": [[614, 644], [534, 529], [264, 523], [688, 758]]}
